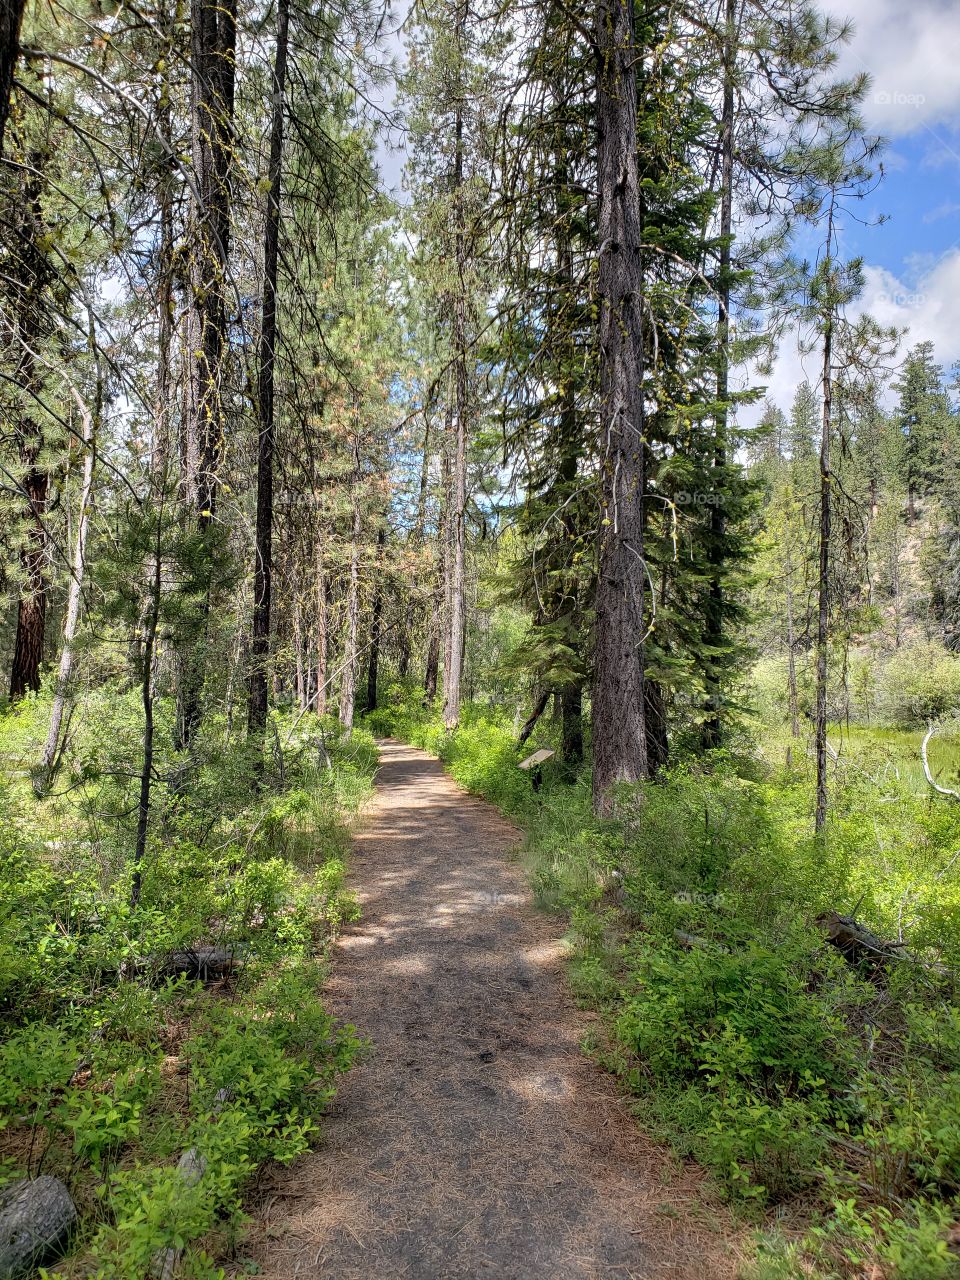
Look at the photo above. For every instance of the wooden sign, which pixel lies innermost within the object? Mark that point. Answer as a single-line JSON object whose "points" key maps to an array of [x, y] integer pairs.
{"points": [[538, 757]]}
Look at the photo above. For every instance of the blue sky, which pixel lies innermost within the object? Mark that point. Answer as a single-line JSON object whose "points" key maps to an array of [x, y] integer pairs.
{"points": [[911, 50]]}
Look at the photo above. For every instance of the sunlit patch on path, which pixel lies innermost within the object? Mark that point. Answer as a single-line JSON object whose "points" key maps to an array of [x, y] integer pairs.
{"points": [[476, 1140]]}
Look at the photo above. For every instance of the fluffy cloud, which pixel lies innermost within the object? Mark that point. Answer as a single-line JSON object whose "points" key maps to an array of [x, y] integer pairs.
{"points": [[929, 309], [911, 51]]}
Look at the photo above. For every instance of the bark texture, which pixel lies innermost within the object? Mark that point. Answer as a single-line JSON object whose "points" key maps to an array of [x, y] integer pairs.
{"points": [[36, 1218], [619, 729], [263, 550]]}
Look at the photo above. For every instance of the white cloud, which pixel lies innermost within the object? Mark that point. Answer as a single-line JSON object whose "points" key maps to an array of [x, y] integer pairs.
{"points": [[911, 51], [929, 310]]}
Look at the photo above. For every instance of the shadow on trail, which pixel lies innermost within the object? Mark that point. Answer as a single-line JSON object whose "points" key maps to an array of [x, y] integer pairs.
{"points": [[475, 1140]]}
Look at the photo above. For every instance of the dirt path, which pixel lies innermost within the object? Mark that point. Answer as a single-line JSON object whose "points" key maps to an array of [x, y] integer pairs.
{"points": [[476, 1140]]}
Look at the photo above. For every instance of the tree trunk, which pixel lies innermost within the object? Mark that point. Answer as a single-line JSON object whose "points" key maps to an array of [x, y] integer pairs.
{"points": [[212, 65], [32, 605], [146, 700], [792, 668], [263, 548], [571, 725], [298, 653], [11, 18], [32, 278], [714, 630], [322, 640], [531, 721], [458, 544], [823, 580], [432, 667], [36, 1219], [160, 458], [74, 594], [416, 539], [375, 625], [619, 728], [655, 724], [348, 685]]}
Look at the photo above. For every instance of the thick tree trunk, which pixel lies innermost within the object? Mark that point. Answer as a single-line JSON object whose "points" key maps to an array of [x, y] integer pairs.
{"points": [[212, 65], [619, 729], [11, 19], [74, 595], [263, 548], [32, 277], [36, 1219], [32, 606], [716, 553]]}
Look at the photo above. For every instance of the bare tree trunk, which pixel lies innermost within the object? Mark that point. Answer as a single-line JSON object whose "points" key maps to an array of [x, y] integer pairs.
{"points": [[619, 723], [74, 594], [32, 605], [32, 276], [263, 549], [376, 621], [165, 318], [403, 664], [348, 685], [213, 66], [298, 652], [531, 721], [322, 639], [432, 667], [713, 631], [11, 18], [571, 725], [446, 537], [655, 726], [458, 536], [792, 659], [146, 698], [823, 575]]}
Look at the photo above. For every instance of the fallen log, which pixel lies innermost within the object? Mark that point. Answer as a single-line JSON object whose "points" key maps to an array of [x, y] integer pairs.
{"points": [[856, 943], [36, 1218], [205, 963]]}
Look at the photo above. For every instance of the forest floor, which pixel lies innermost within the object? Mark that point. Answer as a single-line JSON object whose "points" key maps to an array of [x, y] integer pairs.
{"points": [[475, 1138]]}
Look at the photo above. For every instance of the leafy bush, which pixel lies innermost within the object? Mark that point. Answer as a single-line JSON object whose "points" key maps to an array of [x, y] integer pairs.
{"points": [[93, 1021], [920, 682]]}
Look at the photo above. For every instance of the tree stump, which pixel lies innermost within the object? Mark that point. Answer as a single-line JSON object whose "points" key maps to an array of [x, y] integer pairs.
{"points": [[36, 1218]]}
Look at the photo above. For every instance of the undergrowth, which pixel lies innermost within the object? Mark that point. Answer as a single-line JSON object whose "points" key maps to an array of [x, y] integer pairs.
{"points": [[814, 1090], [112, 1064]]}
